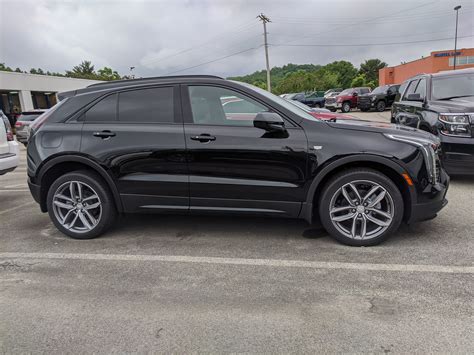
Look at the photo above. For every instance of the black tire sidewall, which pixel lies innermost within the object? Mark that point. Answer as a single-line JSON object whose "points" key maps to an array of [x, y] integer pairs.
{"points": [[346, 104], [366, 174], [381, 103], [102, 190]]}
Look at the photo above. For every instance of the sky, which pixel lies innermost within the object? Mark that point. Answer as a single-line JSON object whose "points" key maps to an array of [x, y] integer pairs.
{"points": [[224, 37]]}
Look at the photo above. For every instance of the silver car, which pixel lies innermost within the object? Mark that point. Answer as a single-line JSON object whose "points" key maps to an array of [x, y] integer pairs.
{"points": [[22, 124]]}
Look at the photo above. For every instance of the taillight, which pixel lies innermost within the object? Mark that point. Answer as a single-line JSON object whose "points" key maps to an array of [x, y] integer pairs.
{"points": [[10, 137], [18, 124]]}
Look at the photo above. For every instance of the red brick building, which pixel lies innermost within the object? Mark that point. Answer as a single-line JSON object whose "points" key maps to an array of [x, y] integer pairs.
{"points": [[436, 62]]}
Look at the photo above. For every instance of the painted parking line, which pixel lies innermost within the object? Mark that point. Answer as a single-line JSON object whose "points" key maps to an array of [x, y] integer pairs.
{"points": [[15, 190], [16, 207], [448, 269], [15, 186]]}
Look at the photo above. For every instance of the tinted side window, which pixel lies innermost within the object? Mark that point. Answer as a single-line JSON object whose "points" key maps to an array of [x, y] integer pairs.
{"points": [[364, 91], [410, 89], [103, 111], [219, 106], [421, 88], [147, 106]]}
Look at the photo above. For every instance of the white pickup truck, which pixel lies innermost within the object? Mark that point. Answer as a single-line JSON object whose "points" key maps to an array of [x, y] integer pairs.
{"points": [[9, 150]]}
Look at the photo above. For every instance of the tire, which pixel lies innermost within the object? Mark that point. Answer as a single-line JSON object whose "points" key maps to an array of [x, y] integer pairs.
{"points": [[89, 205], [381, 106], [346, 107], [317, 105], [350, 230], [332, 109]]}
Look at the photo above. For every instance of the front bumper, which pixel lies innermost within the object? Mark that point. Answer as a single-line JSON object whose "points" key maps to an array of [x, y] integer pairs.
{"points": [[432, 203], [457, 155], [333, 105], [365, 105]]}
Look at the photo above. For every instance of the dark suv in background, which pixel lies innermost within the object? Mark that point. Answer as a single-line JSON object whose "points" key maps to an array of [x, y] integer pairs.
{"points": [[442, 104], [311, 100], [174, 144], [380, 98]]}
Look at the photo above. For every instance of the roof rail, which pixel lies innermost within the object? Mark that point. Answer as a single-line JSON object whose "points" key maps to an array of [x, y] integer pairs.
{"points": [[152, 78]]}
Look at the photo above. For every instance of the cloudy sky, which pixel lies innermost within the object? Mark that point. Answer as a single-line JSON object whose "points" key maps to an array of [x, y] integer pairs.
{"points": [[161, 37]]}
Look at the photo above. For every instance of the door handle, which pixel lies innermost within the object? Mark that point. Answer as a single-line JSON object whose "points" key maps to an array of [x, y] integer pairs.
{"points": [[203, 138], [104, 134]]}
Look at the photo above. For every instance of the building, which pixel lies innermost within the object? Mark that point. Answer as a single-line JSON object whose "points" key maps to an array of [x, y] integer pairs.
{"points": [[22, 92], [436, 62]]}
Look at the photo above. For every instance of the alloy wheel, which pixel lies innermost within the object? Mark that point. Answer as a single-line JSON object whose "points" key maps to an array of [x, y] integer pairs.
{"points": [[361, 210], [77, 206]]}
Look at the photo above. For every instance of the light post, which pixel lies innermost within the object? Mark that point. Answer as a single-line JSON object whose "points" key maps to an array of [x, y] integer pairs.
{"points": [[456, 35]]}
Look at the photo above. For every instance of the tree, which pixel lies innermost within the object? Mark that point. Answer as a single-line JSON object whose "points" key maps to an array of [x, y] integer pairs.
{"points": [[108, 74], [370, 68], [85, 70], [3, 67], [345, 71], [359, 80]]}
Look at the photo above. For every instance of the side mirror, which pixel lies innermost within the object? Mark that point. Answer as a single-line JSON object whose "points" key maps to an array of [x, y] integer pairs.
{"points": [[354, 94], [415, 97], [269, 121]]}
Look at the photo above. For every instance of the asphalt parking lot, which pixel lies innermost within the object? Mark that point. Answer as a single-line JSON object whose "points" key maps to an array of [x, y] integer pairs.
{"points": [[218, 284]]}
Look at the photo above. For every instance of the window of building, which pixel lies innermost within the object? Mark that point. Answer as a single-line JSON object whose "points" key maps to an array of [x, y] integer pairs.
{"points": [[218, 106], [153, 105], [103, 111], [462, 60]]}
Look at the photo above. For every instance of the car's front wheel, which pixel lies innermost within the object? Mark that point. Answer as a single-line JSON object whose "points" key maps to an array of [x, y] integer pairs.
{"points": [[80, 205], [361, 207], [346, 107]]}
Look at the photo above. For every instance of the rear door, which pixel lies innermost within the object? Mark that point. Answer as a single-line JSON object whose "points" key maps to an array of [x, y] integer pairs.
{"points": [[138, 136]]}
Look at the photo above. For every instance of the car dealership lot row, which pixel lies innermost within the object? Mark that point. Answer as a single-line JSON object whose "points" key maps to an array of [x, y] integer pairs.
{"points": [[206, 283]]}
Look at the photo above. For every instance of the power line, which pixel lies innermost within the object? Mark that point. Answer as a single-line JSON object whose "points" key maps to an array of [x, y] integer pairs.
{"points": [[365, 44], [236, 30], [215, 60]]}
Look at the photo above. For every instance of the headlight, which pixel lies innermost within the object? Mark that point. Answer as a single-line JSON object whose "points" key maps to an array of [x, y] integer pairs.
{"points": [[457, 125], [428, 148]]}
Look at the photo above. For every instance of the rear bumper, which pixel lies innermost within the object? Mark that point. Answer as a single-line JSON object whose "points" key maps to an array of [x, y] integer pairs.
{"points": [[35, 191], [9, 161]]}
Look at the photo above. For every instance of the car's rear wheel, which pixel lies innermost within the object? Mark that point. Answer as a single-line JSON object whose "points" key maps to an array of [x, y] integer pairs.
{"points": [[381, 106], [81, 205], [317, 105], [361, 207], [346, 107]]}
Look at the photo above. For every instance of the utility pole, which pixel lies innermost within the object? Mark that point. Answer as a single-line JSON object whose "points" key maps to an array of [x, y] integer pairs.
{"points": [[131, 73], [264, 20], [456, 35]]}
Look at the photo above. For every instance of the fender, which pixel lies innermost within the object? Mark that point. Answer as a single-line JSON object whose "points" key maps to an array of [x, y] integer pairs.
{"points": [[307, 209], [92, 164]]}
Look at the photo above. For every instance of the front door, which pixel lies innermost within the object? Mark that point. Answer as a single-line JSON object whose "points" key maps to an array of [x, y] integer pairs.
{"points": [[138, 135], [234, 166]]}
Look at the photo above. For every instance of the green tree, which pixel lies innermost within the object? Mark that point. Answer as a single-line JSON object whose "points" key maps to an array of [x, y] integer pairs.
{"points": [[85, 70], [108, 74], [370, 68], [359, 80], [345, 71], [3, 67]]}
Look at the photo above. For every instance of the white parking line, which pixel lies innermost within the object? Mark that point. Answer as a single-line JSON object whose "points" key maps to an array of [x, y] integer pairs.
{"points": [[14, 186], [248, 262], [16, 207], [15, 190]]}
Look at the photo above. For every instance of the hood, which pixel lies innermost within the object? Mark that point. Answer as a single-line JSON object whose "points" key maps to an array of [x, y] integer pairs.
{"points": [[379, 127], [460, 104]]}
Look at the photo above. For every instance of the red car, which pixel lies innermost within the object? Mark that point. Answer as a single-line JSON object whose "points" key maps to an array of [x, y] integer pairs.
{"points": [[346, 100], [322, 113]]}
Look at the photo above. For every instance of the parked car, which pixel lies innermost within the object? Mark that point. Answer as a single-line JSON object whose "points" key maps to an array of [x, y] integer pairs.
{"points": [[442, 104], [23, 122], [346, 100], [311, 100], [380, 98], [166, 145], [322, 113], [332, 92], [9, 152]]}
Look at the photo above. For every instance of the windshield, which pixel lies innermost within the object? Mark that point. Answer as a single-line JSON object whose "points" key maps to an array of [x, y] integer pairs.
{"points": [[346, 92], [380, 90], [453, 86], [289, 106]]}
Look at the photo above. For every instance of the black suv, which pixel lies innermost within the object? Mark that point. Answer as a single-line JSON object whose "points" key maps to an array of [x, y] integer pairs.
{"points": [[381, 98], [442, 104], [311, 100], [181, 144]]}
